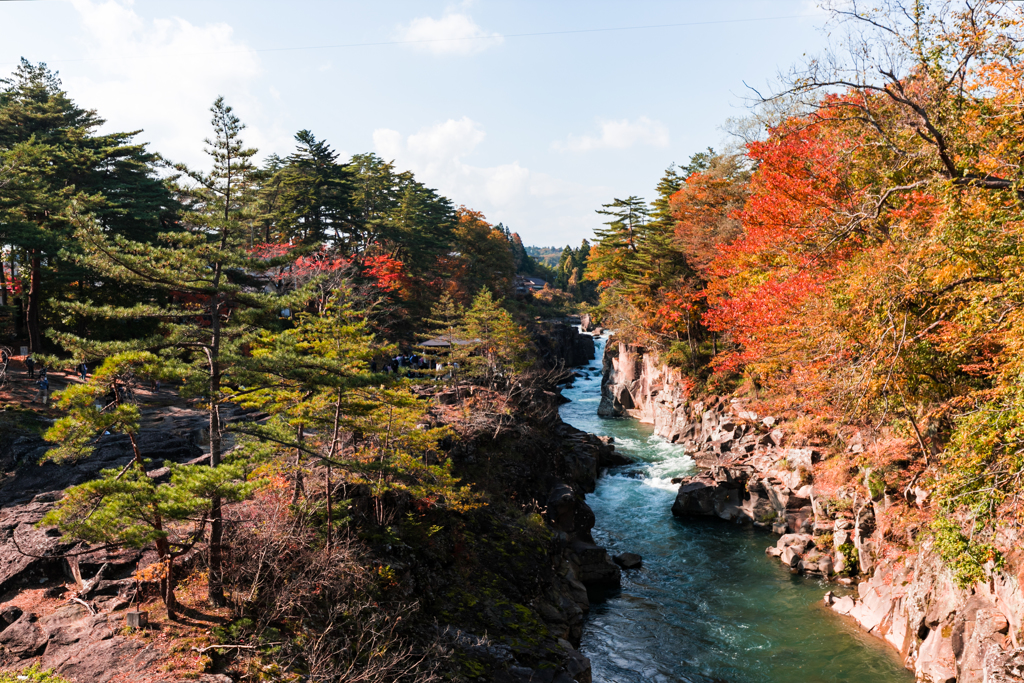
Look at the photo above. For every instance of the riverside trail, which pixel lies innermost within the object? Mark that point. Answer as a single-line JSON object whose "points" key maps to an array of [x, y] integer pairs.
{"points": [[708, 605]]}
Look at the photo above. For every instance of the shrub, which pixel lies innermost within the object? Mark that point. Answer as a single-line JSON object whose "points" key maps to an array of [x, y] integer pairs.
{"points": [[851, 557], [965, 558], [33, 674]]}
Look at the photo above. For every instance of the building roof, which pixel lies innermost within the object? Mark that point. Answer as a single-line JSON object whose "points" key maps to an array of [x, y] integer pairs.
{"points": [[442, 342]]}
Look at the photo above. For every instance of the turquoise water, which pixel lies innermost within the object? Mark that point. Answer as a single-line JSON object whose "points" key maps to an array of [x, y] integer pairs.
{"points": [[708, 604]]}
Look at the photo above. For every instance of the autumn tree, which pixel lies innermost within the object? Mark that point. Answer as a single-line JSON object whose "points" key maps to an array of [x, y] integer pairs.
{"points": [[485, 255]]}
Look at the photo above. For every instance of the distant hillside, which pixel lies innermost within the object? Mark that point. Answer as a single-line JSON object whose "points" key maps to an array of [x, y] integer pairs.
{"points": [[547, 255]]}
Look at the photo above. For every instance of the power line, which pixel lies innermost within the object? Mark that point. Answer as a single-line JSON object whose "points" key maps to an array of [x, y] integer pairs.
{"points": [[494, 36], [530, 35]]}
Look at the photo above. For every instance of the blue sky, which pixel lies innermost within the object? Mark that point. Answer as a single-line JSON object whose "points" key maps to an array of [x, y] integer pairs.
{"points": [[536, 131]]}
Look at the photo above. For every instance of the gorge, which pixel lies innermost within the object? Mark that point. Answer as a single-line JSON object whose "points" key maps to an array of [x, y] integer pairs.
{"points": [[910, 601], [707, 605]]}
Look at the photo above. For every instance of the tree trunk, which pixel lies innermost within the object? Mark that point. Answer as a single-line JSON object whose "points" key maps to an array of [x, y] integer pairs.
{"points": [[3, 282], [163, 550], [215, 589], [298, 488], [330, 515], [35, 335], [19, 318]]}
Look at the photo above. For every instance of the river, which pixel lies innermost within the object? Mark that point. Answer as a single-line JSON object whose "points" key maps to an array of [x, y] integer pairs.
{"points": [[708, 604]]}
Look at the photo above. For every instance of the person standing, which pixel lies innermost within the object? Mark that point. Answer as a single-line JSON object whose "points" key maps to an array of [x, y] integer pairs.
{"points": [[84, 369], [30, 364], [44, 389]]}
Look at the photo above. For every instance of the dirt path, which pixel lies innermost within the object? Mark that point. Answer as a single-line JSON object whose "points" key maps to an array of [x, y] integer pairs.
{"points": [[19, 389]]}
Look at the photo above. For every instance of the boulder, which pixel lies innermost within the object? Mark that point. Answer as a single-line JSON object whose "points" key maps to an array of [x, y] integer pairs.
{"points": [[596, 569], [799, 542], [24, 638], [561, 508], [628, 560], [695, 497], [790, 557], [843, 605]]}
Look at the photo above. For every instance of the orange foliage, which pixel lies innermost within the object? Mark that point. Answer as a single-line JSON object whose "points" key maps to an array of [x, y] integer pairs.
{"points": [[789, 249]]}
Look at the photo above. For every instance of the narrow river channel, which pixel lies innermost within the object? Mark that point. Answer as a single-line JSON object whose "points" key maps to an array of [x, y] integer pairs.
{"points": [[708, 605]]}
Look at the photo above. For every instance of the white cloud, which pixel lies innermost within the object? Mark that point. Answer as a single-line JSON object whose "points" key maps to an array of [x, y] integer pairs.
{"points": [[453, 138], [543, 209], [619, 135], [164, 74], [454, 33]]}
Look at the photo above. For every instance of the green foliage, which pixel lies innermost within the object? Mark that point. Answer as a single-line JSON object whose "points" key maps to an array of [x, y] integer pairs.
{"points": [[128, 507], [399, 454], [101, 405], [875, 485], [33, 674], [445, 320], [55, 166], [851, 558], [308, 200], [499, 346], [965, 558]]}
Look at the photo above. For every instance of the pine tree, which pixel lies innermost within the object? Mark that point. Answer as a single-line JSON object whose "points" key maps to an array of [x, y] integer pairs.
{"points": [[308, 377], [618, 243], [445, 321], [217, 303], [309, 197], [58, 165], [128, 507], [499, 347]]}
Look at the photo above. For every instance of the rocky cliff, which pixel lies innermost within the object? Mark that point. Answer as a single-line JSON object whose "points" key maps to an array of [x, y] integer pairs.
{"points": [[748, 471], [559, 344], [502, 590]]}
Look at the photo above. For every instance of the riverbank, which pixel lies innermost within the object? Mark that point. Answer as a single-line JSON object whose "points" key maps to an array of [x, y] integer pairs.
{"points": [[706, 605], [495, 590], [841, 526]]}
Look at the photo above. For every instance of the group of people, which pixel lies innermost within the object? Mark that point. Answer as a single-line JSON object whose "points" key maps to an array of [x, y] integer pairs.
{"points": [[403, 364], [42, 383]]}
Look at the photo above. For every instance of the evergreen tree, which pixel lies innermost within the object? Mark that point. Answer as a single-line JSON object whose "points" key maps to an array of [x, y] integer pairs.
{"points": [[309, 197], [307, 379], [128, 507], [669, 184], [58, 165], [217, 303], [565, 267], [499, 346], [420, 228], [618, 243], [445, 320]]}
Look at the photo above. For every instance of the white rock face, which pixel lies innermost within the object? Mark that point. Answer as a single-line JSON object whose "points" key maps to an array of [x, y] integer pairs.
{"points": [[943, 633]]}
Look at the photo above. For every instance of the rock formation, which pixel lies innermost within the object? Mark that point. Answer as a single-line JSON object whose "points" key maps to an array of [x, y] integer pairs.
{"points": [[747, 473]]}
